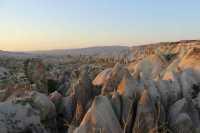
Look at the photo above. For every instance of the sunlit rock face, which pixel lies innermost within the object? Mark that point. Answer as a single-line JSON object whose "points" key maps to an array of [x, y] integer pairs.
{"points": [[145, 119], [100, 117], [156, 60], [191, 59], [102, 77], [152, 88], [117, 73]]}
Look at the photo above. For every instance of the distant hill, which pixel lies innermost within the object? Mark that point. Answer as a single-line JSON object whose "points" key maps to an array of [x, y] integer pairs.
{"points": [[16, 54], [114, 52], [91, 51]]}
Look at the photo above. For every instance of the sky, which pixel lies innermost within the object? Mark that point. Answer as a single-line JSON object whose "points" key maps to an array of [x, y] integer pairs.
{"points": [[61, 24]]}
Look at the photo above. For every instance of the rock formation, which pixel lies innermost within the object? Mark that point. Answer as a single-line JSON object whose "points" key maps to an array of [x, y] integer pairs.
{"points": [[142, 89]]}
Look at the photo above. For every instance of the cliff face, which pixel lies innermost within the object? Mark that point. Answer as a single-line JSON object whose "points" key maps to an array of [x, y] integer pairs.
{"points": [[163, 48], [157, 60], [136, 53]]}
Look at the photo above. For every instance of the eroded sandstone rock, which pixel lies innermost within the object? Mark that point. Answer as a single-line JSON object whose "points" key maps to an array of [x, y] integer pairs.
{"points": [[146, 114], [100, 118], [102, 77], [15, 118], [184, 112]]}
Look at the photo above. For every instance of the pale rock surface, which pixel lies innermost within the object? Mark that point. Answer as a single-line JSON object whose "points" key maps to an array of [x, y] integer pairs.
{"points": [[15, 118], [146, 116], [102, 77], [100, 118]]}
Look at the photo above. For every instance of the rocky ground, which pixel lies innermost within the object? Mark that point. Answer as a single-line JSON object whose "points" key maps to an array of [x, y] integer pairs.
{"points": [[147, 89]]}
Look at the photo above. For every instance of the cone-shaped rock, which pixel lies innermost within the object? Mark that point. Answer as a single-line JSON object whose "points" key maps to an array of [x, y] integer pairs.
{"points": [[145, 119], [100, 118], [102, 77]]}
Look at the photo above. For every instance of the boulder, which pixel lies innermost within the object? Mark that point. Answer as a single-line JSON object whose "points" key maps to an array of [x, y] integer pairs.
{"points": [[178, 119], [44, 105], [17, 118], [183, 124], [38, 101], [190, 82]]}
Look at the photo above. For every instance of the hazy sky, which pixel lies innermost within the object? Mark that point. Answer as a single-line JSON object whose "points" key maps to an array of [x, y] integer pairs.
{"points": [[55, 24]]}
